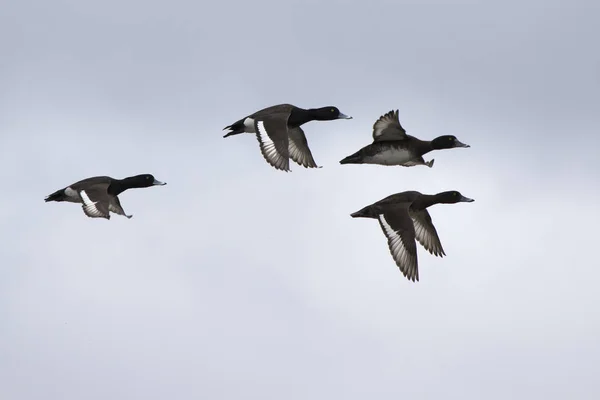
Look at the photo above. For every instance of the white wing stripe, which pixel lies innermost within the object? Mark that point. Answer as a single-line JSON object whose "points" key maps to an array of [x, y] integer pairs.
{"points": [[404, 260], [89, 205], [86, 200], [395, 242], [268, 147]]}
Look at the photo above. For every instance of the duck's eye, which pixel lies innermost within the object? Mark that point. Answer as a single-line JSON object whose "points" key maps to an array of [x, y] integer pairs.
{"points": [[332, 110], [455, 193]]}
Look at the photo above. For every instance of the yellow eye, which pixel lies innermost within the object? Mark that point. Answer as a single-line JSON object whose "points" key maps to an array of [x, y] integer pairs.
{"points": [[332, 110]]}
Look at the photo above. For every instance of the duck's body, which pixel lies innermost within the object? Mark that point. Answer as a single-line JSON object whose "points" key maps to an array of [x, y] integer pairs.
{"points": [[392, 146], [99, 195], [247, 124], [399, 152], [279, 133], [404, 218]]}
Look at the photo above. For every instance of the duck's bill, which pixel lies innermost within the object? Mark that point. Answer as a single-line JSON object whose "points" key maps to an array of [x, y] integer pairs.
{"points": [[466, 199], [344, 116], [159, 183], [458, 143]]}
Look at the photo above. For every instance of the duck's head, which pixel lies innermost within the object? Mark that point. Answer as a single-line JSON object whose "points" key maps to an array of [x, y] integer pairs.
{"points": [[447, 142], [328, 114], [452, 197], [145, 180]]}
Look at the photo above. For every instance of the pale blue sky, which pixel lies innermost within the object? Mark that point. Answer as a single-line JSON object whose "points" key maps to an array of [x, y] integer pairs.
{"points": [[239, 281]]}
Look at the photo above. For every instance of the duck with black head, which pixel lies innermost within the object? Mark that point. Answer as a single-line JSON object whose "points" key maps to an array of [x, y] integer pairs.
{"points": [[279, 133], [404, 218], [392, 146], [99, 194]]}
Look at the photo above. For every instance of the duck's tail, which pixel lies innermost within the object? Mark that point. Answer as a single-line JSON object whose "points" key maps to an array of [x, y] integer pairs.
{"points": [[59, 195], [430, 163], [236, 128], [355, 158]]}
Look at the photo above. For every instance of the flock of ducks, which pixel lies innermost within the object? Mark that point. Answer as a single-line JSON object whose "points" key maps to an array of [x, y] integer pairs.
{"points": [[403, 217]]}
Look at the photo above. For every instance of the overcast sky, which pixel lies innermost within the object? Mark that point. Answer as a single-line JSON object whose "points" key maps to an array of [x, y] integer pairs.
{"points": [[238, 281]]}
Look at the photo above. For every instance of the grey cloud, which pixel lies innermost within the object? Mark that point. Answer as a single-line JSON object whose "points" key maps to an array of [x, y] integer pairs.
{"points": [[239, 281]]}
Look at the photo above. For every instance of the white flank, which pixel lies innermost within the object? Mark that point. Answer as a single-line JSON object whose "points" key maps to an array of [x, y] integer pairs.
{"points": [[249, 125], [390, 157], [71, 194]]}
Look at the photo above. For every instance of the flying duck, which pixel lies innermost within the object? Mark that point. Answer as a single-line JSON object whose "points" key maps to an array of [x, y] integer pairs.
{"points": [[99, 195], [403, 217], [279, 134], [392, 146]]}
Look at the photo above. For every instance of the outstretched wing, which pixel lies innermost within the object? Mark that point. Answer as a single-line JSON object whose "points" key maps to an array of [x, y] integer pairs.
{"points": [[425, 232], [95, 202], [114, 205], [298, 148], [400, 233], [272, 135], [388, 127]]}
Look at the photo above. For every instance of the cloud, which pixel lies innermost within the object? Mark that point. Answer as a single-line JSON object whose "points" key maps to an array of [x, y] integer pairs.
{"points": [[236, 280]]}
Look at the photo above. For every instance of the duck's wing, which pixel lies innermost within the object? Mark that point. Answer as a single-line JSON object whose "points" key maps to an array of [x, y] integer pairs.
{"points": [[399, 230], [388, 127], [94, 180], [272, 135], [298, 148], [272, 110], [95, 201], [408, 197], [114, 205], [425, 232]]}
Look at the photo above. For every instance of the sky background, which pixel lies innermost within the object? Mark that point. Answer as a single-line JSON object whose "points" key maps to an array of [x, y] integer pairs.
{"points": [[238, 281]]}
